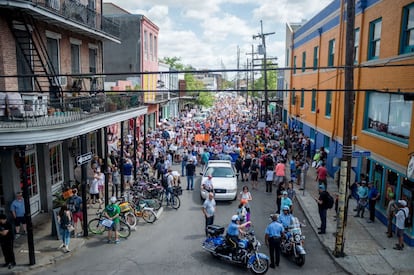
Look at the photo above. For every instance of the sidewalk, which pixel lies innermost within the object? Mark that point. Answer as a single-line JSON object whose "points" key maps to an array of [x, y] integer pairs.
{"points": [[46, 245], [367, 248]]}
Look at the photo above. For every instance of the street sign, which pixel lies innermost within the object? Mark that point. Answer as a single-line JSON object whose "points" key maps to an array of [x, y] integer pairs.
{"points": [[82, 159], [360, 154]]}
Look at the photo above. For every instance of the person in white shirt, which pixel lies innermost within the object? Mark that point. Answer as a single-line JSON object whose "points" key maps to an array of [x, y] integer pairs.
{"points": [[400, 217]]}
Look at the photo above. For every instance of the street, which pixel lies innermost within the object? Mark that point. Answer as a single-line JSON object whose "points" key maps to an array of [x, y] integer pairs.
{"points": [[172, 245]]}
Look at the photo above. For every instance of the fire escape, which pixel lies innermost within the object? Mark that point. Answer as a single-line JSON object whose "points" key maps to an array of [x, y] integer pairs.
{"points": [[33, 49]]}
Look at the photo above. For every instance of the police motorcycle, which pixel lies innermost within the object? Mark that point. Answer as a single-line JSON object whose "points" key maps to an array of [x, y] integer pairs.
{"points": [[292, 243], [246, 254]]}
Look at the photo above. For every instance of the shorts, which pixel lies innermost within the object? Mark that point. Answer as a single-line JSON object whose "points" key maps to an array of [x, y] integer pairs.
{"points": [[115, 226], [253, 176], [19, 220], [77, 216], [96, 196], [100, 188], [128, 178], [279, 179], [400, 232]]}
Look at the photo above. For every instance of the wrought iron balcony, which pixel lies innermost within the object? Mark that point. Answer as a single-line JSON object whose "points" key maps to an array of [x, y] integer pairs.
{"points": [[78, 12], [24, 110]]}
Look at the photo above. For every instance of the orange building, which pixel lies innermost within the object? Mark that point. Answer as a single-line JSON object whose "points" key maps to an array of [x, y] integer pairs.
{"points": [[383, 76]]}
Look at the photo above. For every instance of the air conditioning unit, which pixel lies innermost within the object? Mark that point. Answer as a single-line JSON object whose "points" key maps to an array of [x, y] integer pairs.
{"points": [[63, 81]]}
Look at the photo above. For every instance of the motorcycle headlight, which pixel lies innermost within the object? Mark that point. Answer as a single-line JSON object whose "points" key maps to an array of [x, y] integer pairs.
{"points": [[303, 237], [297, 238]]}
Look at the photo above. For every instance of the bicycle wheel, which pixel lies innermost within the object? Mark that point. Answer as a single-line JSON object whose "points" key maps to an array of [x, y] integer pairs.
{"points": [[130, 219], [124, 230], [175, 201], [148, 215], [95, 226], [161, 198]]}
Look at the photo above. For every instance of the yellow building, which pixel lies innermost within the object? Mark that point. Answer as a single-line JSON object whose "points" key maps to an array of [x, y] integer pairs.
{"points": [[383, 75]]}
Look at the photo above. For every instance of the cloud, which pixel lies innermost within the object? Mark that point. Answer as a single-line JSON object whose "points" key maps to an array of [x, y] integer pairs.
{"points": [[203, 33]]}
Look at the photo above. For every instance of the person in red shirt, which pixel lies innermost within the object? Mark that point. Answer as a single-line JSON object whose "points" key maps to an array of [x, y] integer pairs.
{"points": [[321, 175]]}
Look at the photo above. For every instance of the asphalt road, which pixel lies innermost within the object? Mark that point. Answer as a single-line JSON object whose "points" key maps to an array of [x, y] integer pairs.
{"points": [[172, 245]]}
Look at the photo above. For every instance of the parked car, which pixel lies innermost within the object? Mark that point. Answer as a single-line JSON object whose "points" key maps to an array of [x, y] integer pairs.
{"points": [[224, 180]]}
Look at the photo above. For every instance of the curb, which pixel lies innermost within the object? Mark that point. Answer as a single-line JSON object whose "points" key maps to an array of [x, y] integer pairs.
{"points": [[314, 228]]}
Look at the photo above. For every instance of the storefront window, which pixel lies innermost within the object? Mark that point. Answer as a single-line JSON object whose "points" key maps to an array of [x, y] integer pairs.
{"points": [[407, 194], [92, 142], [31, 173], [390, 186], [56, 170]]}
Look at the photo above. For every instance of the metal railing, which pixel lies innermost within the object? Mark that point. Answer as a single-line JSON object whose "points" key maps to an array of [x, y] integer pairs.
{"points": [[18, 112], [80, 13]]}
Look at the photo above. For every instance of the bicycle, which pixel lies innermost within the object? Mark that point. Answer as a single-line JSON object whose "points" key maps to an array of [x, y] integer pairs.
{"points": [[142, 210], [171, 200], [99, 225], [128, 214]]}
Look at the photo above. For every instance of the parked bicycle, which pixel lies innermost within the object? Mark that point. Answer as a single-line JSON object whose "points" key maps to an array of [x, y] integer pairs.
{"points": [[102, 224], [170, 199]]}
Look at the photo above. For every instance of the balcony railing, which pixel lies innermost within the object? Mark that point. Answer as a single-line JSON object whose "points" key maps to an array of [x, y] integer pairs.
{"points": [[80, 13], [38, 110]]}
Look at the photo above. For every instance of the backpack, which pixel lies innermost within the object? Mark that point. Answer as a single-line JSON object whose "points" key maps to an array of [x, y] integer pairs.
{"points": [[164, 181], [407, 220], [330, 201]]}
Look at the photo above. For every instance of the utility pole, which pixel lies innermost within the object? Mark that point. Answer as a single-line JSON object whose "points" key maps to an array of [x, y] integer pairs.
{"points": [[263, 37], [252, 72], [347, 136]]}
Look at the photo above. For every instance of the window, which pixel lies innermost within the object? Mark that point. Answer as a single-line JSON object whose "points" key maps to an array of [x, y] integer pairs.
{"points": [[374, 39], [145, 45], [407, 30], [155, 49], [302, 98], [31, 173], [293, 97], [53, 52], [92, 60], [313, 105], [356, 46], [331, 53], [294, 64], [303, 61], [287, 57], [328, 103], [312, 135], [151, 47], [315, 57], [56, 169], [388, 115], [326, 143], [75, 58]]}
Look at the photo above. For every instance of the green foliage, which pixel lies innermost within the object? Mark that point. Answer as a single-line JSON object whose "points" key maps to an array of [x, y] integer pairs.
{"points": [[193, 85], [271, 81], [205, 99]]}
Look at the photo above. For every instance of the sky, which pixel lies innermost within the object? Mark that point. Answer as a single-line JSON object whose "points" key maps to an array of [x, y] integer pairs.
{"points": [[208, 33]]}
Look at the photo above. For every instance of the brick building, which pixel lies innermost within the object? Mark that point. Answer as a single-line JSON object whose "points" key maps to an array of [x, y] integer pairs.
{"points": [[383, 74]]}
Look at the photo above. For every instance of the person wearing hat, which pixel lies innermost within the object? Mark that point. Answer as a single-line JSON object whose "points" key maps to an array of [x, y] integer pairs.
{"points": [[207, 184], [400, 217], [6, 241], [273, 235], [363, 199], [190, 172], [322, 202], [285, 201], [285, 218], [112, 212], [391, 208]]}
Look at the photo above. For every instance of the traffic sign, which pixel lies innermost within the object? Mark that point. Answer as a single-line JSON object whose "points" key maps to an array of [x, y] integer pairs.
{"points": [[82, 159], [360, 154]]}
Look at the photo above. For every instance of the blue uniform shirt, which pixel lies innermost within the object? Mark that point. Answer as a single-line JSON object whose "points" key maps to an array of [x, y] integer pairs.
{"points": [[233, 229], [285, 220], [274, 229]]}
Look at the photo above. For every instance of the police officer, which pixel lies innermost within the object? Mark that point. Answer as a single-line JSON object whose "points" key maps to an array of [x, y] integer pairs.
{"points": [[233, 231], [273, 234]]}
